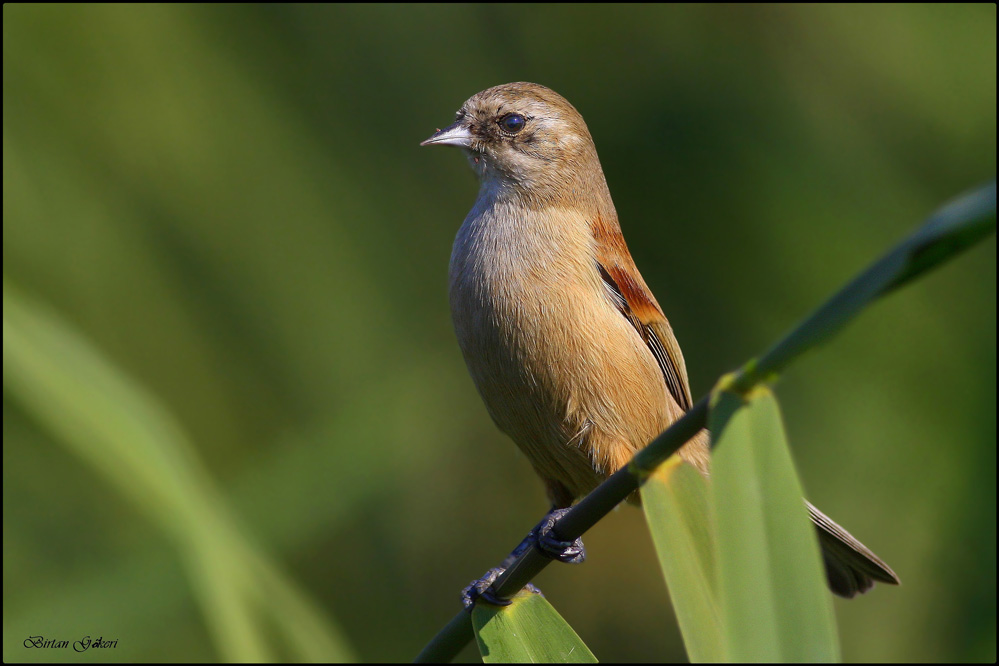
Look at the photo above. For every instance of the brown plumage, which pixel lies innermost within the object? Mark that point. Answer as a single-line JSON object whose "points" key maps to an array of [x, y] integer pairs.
{"points": [[565, 342]]}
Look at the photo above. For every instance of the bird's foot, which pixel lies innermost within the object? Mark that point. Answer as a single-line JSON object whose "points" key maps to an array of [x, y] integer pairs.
{"points": [[570, 552], [483, 589]]}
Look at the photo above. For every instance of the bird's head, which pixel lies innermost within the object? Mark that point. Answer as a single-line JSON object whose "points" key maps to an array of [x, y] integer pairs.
{"points": [[526, 139]]}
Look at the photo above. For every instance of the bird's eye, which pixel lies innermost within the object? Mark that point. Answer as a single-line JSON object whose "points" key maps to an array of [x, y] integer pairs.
{"points": [[512, 122]]}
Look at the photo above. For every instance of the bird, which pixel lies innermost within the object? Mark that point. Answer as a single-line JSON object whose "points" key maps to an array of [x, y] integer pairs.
{"points": [[565, 342]]}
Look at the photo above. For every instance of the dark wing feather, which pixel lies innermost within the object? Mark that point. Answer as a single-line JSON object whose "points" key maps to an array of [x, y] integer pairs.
{"points": [[634, 300], [851, 567]]}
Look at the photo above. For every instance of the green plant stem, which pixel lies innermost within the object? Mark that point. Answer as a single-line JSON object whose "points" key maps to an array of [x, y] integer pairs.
{"points": [[953, 228]]}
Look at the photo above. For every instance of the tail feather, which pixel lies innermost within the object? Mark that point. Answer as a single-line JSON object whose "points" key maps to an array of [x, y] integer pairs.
{"points": [[851, 567]]}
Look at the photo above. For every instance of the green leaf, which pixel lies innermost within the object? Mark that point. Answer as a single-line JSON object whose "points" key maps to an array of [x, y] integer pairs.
{"points": [[529, 630], [956, 226], [111, 423], [676, 501], [774, 602]]}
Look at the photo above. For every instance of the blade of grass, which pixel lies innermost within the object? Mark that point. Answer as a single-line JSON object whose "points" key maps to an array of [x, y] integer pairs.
{"points": [[775, 606], [676, 501], [114, 425], [954, 227]]}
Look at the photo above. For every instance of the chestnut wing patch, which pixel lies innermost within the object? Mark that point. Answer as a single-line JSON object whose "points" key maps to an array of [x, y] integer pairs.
{"points": [[630, 300]]}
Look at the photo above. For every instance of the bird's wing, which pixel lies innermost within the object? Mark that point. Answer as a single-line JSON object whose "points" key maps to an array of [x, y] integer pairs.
{"points": [[635, 301]]}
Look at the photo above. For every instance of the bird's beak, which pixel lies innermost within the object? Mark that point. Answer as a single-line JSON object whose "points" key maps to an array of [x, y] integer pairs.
{"points": [[452, 135]]}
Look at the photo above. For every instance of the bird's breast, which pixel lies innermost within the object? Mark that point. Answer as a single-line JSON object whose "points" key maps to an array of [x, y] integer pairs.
{"points": [[558, 367], [520, 281]]}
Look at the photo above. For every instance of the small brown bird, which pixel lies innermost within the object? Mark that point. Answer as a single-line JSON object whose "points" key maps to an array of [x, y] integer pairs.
{"points": [[564, 340]]}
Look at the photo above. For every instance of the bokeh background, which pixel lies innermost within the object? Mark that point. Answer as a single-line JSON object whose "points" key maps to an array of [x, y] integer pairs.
{"points": [[229, 205]]}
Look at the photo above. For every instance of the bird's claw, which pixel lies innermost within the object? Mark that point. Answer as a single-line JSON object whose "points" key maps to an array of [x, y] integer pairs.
{"points": [[570, 552], [483, 589]]}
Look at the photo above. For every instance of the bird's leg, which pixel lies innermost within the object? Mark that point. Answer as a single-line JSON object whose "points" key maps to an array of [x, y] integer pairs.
{"points": [[570, 552]]}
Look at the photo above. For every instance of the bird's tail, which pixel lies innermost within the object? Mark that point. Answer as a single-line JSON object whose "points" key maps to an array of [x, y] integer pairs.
{"points": [[851, 567]]}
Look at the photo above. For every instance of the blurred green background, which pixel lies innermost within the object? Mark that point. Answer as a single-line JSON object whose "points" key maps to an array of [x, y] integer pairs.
{"points": [[229, 203]]}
